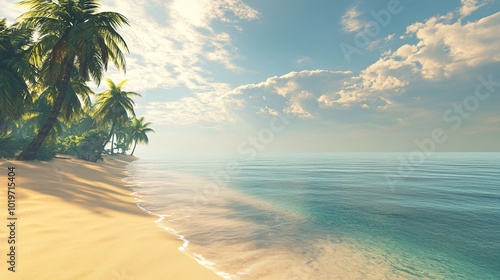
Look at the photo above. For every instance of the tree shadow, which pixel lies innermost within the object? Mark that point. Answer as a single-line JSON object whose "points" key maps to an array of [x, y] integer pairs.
{"points": [[96, 187]]}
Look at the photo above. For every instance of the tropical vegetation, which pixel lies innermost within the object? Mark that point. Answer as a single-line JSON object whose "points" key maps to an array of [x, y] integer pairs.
{"points": [[47, 59], [114, 107]]}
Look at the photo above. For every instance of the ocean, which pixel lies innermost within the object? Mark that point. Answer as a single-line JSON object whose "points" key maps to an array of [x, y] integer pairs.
{"points": [[330, 216]]}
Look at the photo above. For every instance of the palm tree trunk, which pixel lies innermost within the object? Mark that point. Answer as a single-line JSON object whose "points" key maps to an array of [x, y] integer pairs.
{"points": [[110, 134], [30, 151], [133, 150], [112, 142]]}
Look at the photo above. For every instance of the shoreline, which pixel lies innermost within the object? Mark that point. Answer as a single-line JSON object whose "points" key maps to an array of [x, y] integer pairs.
{"points": [[79, 220]]}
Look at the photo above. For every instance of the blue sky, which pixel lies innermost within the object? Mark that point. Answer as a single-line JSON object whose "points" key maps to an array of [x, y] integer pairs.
{"points": [[312, 76]]}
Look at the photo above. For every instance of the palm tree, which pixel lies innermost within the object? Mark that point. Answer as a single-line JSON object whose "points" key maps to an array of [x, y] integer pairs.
{"points": [[36, 115], [113, 107], [122, 138], [16, 73], [75, 105], [139, 131], [73, 37], [77, 100]]}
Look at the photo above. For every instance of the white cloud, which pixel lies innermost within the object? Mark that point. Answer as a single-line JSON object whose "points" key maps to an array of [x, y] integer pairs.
{"points": [[280, 84], [169, 45], [445, 48], [268, 111], [10, 10], [168, 52], [375, 85], [339, 97], [351, 20], [295, 105], [470, 6], [207, 109], [200, 13], [295, 93], [169, 41], [304, 60], [389, 38], [287, 89], [192, 11]]}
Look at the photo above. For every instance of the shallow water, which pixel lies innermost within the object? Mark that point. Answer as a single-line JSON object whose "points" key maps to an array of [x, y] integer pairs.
{"points": [[331, 216]]}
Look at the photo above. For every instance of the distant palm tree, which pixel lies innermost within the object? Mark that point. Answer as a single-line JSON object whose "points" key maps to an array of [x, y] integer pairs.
{"points": [[123, 140], [73, 37], [113, 107], [139, 131], [16, 73]]}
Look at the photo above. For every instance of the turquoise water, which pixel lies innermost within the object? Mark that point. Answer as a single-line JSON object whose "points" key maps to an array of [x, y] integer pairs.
{"points": [[331, 216]]}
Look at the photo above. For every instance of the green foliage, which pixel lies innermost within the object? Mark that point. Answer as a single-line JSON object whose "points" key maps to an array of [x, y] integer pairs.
{"points": [[76, 100], [80, 125], [113, 108], [114, 105], [16, 73], [123, 137], [36, 115], [69, 145], [43, 83], [123, 146], [74, 32], [8, 146], [89, 146], [138, 132], [75, 39]]}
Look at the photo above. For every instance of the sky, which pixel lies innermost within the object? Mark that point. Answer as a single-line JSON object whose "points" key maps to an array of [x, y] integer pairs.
{"points": [[252, 76]]}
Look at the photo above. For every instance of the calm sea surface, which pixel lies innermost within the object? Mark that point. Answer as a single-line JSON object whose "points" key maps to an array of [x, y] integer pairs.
{"points": [[330, 216]]}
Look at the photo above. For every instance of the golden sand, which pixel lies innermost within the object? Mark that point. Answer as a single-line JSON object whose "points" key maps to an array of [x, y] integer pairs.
{"points": [[77, 220]]}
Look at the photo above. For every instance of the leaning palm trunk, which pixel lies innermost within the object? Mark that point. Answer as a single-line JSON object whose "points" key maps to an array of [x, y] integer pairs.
{"points": [[112, 143], [133, 150], [30, 151], [110, 135]]}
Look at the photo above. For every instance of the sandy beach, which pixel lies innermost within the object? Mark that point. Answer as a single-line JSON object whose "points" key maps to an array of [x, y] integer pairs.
{"points": [[77, 220]]}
